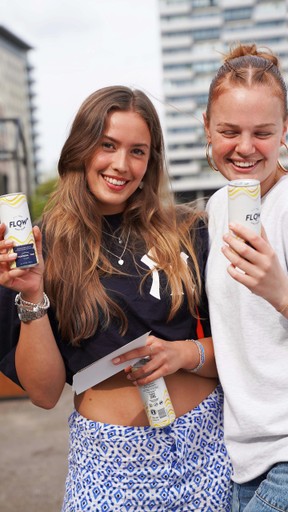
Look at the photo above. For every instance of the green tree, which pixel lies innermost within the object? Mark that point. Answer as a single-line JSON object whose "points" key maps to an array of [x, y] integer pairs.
{"points": [[40, 198]]}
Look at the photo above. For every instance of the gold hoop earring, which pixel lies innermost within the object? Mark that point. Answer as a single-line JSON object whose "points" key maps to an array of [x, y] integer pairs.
{"points": [[209, 159], [279, 163]]}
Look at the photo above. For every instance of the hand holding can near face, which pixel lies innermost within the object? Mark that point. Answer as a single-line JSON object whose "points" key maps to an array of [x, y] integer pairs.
{"points": [[14, 213], [244, 203]]}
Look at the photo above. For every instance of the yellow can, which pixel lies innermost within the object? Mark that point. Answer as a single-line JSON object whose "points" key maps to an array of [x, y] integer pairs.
{"points": [[14, 213]]}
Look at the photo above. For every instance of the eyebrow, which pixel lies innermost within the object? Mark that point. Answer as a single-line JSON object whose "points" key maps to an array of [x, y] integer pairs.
{"points": [[138, 145], [230, 125]]}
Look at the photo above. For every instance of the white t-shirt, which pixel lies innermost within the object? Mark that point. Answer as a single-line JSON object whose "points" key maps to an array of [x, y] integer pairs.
{"points": [[251, 345]]}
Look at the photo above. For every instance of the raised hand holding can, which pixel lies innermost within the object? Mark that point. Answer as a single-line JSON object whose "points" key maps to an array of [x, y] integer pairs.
{"points": [[14, 213]]}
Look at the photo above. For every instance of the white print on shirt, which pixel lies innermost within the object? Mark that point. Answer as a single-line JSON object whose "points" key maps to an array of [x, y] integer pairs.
{"points": [[155, 287]]}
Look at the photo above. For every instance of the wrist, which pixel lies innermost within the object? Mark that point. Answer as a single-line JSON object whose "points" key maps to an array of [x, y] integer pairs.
{"points": [[281, 298], [29, 311], [200, 357], [34, 296], [283, 307]]}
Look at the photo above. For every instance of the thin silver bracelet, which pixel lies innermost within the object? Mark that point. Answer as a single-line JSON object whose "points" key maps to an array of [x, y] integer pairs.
{"points": [[201, 356], [29, 311]]}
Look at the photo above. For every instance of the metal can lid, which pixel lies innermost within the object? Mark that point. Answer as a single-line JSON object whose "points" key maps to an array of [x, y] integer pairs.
{"points": [[243, 182]]}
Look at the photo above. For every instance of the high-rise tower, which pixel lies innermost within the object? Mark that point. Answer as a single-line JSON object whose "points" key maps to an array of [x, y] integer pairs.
{"points": [[18, 148], [194, 36]]}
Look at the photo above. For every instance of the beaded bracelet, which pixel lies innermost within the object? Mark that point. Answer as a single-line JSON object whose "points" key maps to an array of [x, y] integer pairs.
{"points": [[29, 311], [201, 356]]}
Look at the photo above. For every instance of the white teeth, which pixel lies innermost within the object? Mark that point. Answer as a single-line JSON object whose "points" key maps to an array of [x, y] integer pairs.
{"points": [[244, 164], [113, 181]]}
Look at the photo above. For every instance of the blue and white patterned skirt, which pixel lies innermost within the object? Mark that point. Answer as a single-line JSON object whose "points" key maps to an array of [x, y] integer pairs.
{"points": [[182, 467]]}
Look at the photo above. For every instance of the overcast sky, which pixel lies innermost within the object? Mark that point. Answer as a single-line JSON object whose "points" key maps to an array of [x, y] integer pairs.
{"points": [[80, 46]]}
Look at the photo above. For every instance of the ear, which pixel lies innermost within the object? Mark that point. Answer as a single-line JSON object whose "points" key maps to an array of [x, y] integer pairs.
{"points": [[206, 127]]}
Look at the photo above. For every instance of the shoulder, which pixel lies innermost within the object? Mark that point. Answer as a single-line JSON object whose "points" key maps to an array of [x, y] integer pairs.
{"points": [[219, 197], [281, 190], [276, 195], [190, 217], [280, 196], [192, 224]]}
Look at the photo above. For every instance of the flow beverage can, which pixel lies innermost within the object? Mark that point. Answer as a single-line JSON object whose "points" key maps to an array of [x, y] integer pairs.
{"points": [[156, 400], [244, 203], [14, 212]]}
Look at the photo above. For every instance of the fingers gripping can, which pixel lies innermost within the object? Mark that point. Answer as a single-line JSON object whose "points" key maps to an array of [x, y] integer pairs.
{"points": [[156, 400], [14, 212], [244, 203]]}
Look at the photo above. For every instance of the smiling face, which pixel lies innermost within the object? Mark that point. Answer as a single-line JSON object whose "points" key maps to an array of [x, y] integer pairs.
{"points": [[120, 161], [246, 130]]}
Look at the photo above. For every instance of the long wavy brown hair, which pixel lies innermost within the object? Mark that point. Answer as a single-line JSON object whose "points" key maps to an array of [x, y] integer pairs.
{"points": [[72, 223]]}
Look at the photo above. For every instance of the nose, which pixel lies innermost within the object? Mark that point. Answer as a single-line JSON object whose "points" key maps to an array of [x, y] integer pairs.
{"points": [[245, 145], [120, 161]]}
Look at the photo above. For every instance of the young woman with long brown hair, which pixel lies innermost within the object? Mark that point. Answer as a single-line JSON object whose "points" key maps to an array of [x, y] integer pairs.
{"points": [[121, 260]]}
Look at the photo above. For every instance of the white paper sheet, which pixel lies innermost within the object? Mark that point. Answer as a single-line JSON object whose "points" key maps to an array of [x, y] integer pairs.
{"points": [[104, 368]]}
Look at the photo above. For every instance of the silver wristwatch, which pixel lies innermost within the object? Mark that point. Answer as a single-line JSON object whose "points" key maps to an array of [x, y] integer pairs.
{"points": [[28, 311]]}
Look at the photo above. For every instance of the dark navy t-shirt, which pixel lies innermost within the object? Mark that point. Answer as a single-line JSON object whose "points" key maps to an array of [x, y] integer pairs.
{"points": [[146, 310]]}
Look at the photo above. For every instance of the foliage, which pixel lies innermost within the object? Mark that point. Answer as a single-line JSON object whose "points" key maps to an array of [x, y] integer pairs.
{"points": [[40, 197]]}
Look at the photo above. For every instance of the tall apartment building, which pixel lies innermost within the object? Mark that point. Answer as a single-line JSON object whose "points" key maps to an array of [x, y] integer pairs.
{"points": [[18, 149], [194, 36]]}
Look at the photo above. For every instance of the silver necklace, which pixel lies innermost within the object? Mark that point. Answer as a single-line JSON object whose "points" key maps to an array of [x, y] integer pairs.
{"points": [[118, 238], [120, 258]]}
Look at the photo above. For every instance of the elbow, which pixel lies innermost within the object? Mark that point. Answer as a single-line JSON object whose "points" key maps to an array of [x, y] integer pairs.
{"points": [[45, 399], [44, 402], [43, 395]]}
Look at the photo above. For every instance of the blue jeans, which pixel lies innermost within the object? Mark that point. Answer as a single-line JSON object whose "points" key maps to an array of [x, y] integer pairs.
{"points": [[267, 493]]}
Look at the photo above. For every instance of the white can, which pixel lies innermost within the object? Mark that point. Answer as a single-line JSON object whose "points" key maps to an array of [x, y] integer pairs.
{"points": [[14, 212], [156, 400], [244, 203]]}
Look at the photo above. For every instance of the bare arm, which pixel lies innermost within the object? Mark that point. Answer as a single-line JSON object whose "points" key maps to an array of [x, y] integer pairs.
{"points": [[168, 357], [39, 364]]}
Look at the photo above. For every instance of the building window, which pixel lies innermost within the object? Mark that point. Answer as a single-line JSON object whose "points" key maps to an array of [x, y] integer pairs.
{"points": [[237, 14]]}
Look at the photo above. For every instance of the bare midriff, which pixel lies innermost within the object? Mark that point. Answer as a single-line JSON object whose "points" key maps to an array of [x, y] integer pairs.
{"points": [[117, 401]]}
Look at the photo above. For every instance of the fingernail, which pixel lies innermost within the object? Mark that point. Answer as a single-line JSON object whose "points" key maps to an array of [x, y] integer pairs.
{"points": [[12, 256], [116, 360], [8, 242]]}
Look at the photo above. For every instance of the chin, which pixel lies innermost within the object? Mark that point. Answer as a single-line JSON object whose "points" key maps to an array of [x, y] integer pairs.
{"points": [[242, 174]]}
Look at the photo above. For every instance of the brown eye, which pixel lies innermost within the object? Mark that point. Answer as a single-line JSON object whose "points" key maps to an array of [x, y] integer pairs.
{"points": [[107, 145]]}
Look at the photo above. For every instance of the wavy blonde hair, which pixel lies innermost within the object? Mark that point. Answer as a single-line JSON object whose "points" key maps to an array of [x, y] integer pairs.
{"points": [[72, 223]]}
